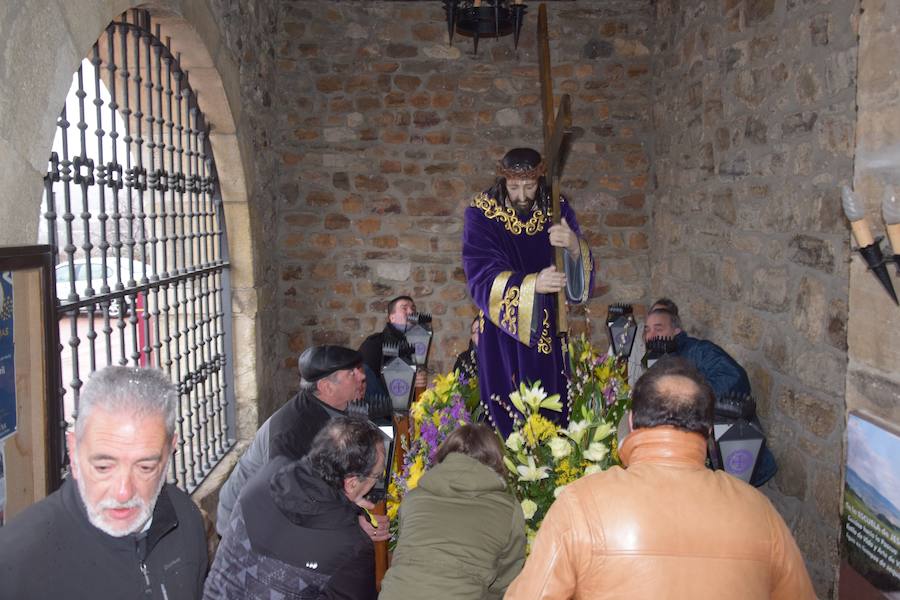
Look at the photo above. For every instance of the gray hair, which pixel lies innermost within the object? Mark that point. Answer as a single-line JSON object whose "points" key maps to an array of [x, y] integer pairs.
{"points": [[312, 386], [143, 392]]}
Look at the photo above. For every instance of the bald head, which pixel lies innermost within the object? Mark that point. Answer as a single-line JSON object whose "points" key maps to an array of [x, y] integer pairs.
{"points": [[673, 393]]}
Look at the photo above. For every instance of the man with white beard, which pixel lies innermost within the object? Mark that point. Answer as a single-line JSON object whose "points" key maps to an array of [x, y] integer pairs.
{"points": [[118, 530]]}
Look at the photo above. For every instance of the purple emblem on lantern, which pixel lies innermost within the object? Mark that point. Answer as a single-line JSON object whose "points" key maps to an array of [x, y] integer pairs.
{"points": [[398, 386], [739, 461]]}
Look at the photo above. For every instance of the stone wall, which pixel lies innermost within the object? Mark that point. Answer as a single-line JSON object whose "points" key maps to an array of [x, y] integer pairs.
{"points": [[754, 122], [246, 32], [385, 131]]}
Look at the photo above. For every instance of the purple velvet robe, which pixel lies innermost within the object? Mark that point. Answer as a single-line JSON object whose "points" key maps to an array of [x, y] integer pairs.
{"points": [[518, 343]]}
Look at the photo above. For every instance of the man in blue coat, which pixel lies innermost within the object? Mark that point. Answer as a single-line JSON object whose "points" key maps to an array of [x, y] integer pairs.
{"points": [[723, 374]]}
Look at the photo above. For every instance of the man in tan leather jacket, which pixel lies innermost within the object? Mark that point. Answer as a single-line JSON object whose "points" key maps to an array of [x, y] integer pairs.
{"points": [[666, 526]]}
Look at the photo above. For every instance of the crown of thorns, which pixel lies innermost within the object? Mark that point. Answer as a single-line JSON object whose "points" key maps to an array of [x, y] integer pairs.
{"points": [[520, 170]]}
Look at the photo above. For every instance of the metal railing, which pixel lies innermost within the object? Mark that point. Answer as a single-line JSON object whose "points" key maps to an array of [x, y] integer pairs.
{"points": [[132, 205]]}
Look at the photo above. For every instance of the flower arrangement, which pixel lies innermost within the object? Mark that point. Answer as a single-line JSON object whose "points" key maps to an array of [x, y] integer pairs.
{"points": [[543, 457], [450, 403]]}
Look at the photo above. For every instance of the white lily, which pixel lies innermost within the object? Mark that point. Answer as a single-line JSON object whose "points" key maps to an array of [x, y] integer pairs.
{"points": [[515, 442], [559, 447], [603, 431], [532, 472], [529, 507], [576, 430], [534, 398], [596, 452]]}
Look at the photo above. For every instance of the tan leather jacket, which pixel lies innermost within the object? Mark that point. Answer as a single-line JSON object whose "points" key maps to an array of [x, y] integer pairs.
{"points": [[665, 527]]}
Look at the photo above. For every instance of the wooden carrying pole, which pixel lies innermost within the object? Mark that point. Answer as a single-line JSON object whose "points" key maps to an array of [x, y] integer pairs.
{"points": [[555, 126]]}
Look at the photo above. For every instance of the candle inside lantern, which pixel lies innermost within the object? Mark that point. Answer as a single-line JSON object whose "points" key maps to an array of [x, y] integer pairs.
{"points": [[890, 210], [856, 214]]}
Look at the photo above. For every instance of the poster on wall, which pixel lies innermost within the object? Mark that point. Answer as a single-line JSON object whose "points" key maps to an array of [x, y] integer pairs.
{"points": [[870, 516], [7, 358]]}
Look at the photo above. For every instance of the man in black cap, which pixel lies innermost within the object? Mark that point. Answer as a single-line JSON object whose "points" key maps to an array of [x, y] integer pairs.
{"points": [[394, 332], [508, 246], [330, 378]]}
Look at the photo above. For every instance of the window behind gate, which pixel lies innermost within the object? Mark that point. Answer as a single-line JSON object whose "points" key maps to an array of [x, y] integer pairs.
{"points": [[132, 206]]}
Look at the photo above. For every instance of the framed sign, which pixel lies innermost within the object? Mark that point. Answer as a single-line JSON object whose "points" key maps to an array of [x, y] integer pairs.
{"points": [[870, 513], [30, 433]]}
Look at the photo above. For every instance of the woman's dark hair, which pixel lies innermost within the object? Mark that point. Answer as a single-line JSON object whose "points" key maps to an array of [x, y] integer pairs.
{"points": [[656, 402], [345, 447], [477, 441]]}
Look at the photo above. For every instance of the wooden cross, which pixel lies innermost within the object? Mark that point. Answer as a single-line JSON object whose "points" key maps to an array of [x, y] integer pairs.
{"points": [[555, 129]]}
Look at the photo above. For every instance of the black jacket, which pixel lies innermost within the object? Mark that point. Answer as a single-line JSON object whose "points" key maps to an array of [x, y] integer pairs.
{"points": [[289, 432], [51, 550], [294, 537]]}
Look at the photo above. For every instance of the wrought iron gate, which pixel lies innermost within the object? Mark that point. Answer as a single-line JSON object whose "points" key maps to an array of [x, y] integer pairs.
{"points": [[132, 205]]}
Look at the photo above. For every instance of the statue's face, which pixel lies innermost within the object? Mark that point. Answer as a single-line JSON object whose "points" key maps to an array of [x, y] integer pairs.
{"points": [[521, 193]]}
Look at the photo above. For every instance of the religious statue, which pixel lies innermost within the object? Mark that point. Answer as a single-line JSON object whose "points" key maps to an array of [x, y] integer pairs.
{"points": [[508, 249]]}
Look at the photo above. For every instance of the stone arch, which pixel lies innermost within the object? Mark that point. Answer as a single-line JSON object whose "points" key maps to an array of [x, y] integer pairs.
{"points": [[43, 44]]}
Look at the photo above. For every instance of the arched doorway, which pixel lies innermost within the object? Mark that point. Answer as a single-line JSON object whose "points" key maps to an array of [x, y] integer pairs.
{"points": [[132, 207]]}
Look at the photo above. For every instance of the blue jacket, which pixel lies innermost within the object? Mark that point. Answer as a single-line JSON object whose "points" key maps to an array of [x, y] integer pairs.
{"points": [[724, 375], [722, 372]]}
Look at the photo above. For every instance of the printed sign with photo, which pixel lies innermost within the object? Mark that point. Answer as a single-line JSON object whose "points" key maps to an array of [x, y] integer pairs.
{"points": [[870, 520]]}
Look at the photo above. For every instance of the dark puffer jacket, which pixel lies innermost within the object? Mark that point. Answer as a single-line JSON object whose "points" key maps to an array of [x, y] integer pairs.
{"points": [[292, 536], [722, 372]]}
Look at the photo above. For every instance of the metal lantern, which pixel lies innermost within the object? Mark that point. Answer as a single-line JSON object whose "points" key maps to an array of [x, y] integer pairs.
{"points": [[418, 336], [739, 447], [485, 18], [398, 375], [657, 348], [621, 328]]}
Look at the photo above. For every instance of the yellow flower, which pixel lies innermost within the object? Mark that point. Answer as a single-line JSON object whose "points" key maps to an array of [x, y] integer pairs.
{"points": [[444, 384], [537, 429], [415, 473], [393, 507]]}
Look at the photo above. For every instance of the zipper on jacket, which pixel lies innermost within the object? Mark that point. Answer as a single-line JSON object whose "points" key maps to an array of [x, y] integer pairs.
{"points": [[144, 573]]}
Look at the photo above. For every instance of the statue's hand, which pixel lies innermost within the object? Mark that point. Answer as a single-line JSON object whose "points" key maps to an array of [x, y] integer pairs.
{"points": [[549, 281], [562, 236]]}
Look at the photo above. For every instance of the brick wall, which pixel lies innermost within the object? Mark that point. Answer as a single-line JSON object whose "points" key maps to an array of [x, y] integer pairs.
{"points": [[384, 132], [754, 121]]}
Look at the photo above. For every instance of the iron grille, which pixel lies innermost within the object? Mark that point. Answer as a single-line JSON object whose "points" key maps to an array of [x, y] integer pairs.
{"points": [[132, 206]]}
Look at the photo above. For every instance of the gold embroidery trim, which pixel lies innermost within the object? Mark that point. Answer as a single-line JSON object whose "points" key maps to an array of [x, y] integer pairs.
{"points": [[508, 216], [544, 345], [480, 321], [497, 289], [510, 308], [526, 308]]}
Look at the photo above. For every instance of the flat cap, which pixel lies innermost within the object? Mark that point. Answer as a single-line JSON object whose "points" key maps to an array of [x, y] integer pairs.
{"points": [[321, 361]]}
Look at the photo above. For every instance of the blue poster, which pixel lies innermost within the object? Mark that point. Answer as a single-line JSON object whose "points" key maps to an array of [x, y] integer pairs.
{"points": [[7, 358]]}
